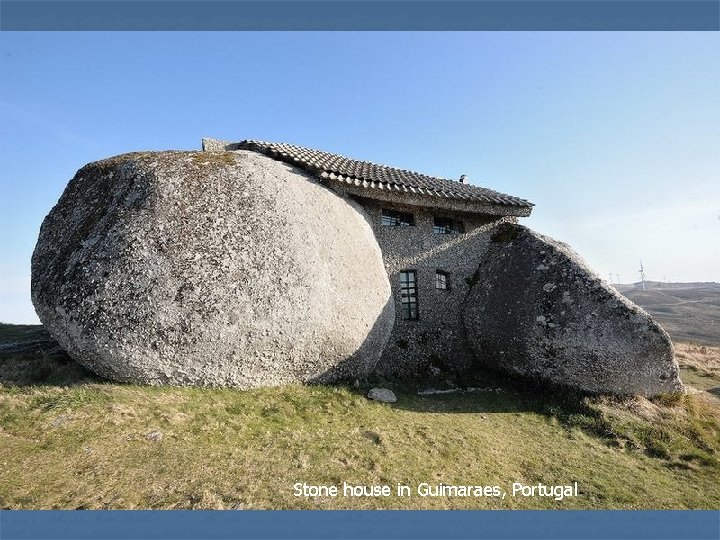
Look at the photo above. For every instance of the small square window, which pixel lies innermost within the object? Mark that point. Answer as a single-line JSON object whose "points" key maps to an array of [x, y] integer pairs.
{"points": [[443, 225], [442, 280], [393, 218]]}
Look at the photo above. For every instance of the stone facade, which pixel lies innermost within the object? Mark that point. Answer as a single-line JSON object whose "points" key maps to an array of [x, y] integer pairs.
{"points": [[436, 339]]}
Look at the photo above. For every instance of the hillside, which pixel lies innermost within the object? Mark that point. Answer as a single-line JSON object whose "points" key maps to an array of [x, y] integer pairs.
{"points": [[70, 440], [688, 311]]}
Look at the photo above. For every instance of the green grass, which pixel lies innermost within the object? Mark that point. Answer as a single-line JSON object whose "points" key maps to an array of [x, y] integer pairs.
{"points": [[69, 440]]}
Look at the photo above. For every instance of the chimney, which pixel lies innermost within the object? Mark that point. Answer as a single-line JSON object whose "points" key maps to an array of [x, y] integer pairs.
{"points": [[463, 178]]}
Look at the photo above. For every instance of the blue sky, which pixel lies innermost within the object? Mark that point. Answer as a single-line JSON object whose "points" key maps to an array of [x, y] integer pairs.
{"points": [[614, 136]]}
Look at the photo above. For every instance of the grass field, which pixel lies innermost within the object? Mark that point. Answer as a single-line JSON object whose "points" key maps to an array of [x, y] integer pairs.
{"points": [[690, 312], [69, 440]]}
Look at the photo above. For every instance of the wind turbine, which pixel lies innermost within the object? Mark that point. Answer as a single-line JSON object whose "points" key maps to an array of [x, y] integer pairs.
{"points": [[642, 275]]}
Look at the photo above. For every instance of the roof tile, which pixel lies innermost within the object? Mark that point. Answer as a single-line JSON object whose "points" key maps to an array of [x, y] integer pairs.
{"points": [[370, 175]]}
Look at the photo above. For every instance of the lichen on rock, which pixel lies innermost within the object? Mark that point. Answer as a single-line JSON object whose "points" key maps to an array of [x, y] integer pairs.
{"points": [[539, 311], [211, 268]]}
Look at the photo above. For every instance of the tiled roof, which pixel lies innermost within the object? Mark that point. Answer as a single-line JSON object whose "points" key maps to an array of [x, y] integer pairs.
{"points": [[364, 174]]}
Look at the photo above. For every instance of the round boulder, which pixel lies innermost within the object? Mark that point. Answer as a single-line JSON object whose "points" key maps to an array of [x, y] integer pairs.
{"points": [[383, 395], [537, 310], [211, 269]]}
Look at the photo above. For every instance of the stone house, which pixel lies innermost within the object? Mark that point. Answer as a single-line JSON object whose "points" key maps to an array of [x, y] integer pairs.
{"points": [[432, 233], [259, 264]]}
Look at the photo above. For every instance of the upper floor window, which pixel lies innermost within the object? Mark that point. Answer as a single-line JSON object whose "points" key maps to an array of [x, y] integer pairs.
{"points": [[443, 225], [393, 218], [408, 294], [442, 280]]}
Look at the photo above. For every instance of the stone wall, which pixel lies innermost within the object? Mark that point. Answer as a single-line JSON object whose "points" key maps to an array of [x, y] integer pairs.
{"points": [[437, 338]]}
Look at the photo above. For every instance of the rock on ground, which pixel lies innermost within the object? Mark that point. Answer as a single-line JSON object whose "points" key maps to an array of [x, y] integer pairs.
{"points": [[210, 268], [383, 395], [539, 311]]}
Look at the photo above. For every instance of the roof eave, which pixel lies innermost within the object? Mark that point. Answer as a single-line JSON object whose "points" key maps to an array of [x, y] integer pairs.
{"points": [[431, 201]]}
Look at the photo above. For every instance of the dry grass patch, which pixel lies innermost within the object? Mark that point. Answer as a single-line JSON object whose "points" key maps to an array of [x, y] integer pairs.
{"points": [[703, 358], [699, 366]]}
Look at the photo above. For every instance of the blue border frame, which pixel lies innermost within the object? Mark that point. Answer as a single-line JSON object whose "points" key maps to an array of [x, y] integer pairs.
{"points": [[316, 524], [360, 15]]}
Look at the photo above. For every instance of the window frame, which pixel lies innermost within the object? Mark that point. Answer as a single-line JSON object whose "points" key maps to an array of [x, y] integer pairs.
{"points": [[409, 304], [450, 225], [445, 280], [400, 218]]}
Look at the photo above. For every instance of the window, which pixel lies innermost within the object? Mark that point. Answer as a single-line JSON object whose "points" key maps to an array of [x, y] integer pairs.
{"points": [[448, 226], [392, 218], [408, 294], [442, 280]]}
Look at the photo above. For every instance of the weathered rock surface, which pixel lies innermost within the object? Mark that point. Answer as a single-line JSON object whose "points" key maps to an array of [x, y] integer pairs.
{"points": [[538, 310], [383, 395], [211, 268]]}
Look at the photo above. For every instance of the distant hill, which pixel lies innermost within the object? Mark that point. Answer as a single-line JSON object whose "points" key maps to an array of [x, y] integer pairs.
{"points": [[661, 285], [688, 311]]}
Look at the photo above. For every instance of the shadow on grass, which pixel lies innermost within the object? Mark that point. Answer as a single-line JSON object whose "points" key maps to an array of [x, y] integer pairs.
{"points": [[488, 392], [30, 357], [684, 432]]}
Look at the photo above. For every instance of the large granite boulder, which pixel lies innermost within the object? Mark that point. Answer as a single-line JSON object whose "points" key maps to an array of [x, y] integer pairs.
{"points": [[211, 268], [537, 310]]}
